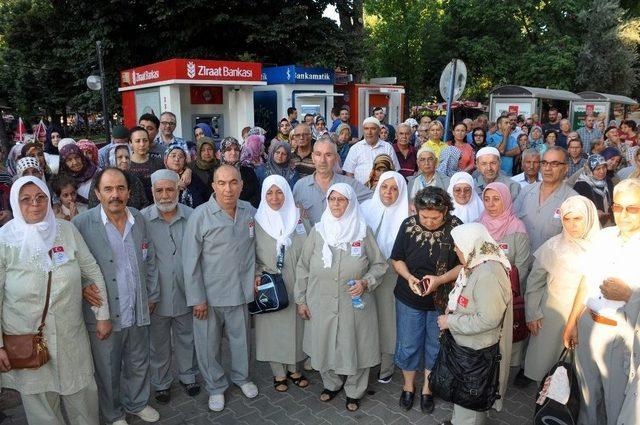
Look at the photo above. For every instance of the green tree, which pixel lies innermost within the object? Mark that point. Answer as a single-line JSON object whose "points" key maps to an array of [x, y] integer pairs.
{"points": [[606, 62]]}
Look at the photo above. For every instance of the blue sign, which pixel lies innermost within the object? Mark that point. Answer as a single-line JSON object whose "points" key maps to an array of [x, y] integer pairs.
{"points": [[292, 74]]}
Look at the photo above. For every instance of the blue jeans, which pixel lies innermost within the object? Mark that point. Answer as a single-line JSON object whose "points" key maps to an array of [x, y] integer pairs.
{"points": [[417, 340]]}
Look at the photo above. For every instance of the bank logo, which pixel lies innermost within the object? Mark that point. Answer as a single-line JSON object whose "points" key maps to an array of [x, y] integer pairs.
{"points": [[191, 69]]}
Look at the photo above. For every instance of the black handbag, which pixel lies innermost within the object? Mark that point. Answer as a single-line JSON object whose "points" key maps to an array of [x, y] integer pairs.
{"points": [[464, 376], [271, 294], [549, 411]]}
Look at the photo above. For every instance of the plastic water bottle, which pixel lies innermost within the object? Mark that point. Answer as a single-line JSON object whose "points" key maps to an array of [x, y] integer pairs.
{"points": [[356, 301]]}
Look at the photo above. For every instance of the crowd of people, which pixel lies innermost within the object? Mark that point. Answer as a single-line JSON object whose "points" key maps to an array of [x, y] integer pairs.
{"points": [[516, 234]]}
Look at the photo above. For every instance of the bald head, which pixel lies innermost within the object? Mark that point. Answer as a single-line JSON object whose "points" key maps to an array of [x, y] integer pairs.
{"points": [[227, 169]]}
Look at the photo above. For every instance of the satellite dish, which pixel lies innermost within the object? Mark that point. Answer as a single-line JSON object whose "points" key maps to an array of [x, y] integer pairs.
{"points": [[94, 83], [459, 80]]}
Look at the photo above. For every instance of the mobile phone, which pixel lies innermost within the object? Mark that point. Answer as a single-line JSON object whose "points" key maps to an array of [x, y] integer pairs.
{"points": [[424, 285]]}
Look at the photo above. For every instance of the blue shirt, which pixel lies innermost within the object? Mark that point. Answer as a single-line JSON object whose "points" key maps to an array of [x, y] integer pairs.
{"points": [[494, 140], [127, 273]]}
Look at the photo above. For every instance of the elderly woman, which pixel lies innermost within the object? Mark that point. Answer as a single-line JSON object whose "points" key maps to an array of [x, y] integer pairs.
{"points": [[467, 205], [141, 163], [193, 194], [381, 164], [384, 213], [536, 139], [553, 284], [37, 251], [427, 174], [230, 155], [424, 259], [89, 150], [479, 306], [344, 137], [595, 185], [120, 157], [205, 163], [280, 236], [74, 164], [510, 233], [29, 166], [278, 163], [340, 264]]}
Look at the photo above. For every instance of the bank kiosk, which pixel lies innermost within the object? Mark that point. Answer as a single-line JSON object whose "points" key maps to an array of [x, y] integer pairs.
{"points": [[527, 101], [309, 90], [601, 105], [219, 93]]}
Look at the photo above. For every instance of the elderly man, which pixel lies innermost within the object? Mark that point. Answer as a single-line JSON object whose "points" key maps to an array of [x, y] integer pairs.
{"points": [[538, 204], [576, 158], [531, 167], [488, 163], [563, 134], [601, 324], [405, 153], [360, 158], [302, 139], [219, 262], [310, 193], [589, 133], [119, 239], [166, 220], [506, 144]]}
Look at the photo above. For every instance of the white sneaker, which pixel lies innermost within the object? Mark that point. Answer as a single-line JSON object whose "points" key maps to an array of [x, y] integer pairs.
{"points": [[148, 414], [249, 390], [120, 422], [216, 402]]}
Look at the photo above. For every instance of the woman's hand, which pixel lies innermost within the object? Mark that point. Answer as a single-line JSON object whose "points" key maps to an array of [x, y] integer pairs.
{"points": [[415, 285], [103, 329], [91, 294], [534, 326], [304, 312], [200, 311], [5, 366], [185, 178], [442, 322], [432, 283], [570, 336], [358, 288]]}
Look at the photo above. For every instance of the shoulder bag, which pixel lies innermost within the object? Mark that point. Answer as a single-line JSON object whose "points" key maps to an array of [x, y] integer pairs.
{"points": [[29, 351], [520, 330], [271, 294]]}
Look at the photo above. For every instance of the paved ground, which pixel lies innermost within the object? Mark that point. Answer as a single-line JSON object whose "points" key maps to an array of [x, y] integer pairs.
{"points": [[298, 406]]}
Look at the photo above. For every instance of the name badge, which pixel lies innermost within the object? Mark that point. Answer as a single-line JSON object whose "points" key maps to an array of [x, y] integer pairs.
{"points": [[58, 255], [556, 214], [462, 301], [145, 250], [505, 248], [300, 228], [356, 249], [251, 229]]}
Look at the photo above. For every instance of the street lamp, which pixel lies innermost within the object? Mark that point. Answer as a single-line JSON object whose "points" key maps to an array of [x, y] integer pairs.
{"points": [[95, 83]]}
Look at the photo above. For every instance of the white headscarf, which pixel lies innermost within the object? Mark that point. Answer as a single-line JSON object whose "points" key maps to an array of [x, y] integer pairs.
{"points": [[472, 210], [477, 246], [387, 219], [34, 240], [338, 232], [278, 224]]}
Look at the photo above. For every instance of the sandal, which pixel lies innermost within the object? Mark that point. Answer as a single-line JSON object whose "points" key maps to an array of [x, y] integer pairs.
{"points": [[330, 394], [279, 384], [352, 402], [299, 381]]}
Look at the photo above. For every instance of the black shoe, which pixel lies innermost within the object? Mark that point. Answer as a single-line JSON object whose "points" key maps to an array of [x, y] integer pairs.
{"points": [[163, 396], [192, 389], [406, 400], [521, 381], [426, 403]]}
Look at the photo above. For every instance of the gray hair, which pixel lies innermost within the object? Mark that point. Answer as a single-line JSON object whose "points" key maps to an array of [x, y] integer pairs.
{"points": [[531, 152], [226, 167], [627, 185], [326, 139], [564, 152], [404, 126]]}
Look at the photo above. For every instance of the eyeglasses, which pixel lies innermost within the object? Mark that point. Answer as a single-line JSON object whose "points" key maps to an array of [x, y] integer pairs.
{"points": [[338, 200], [552, 164], [631, 209], [168, 123], [38, 200]]}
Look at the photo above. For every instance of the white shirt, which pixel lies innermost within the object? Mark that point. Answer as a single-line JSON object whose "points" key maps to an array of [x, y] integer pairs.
{"points": [[611, 256], [359, 161], [522, 180]]}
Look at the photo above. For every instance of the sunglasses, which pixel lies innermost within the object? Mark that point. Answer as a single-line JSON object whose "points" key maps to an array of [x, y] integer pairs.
{"points": [[631, 209]]}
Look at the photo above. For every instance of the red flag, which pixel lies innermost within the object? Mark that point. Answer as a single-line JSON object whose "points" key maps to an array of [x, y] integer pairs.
{"points": [[40, 132], [20, 131]]}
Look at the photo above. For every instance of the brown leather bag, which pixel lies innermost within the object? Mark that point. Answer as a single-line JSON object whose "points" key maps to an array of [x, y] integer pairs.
{"points": [[29, 351]]}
